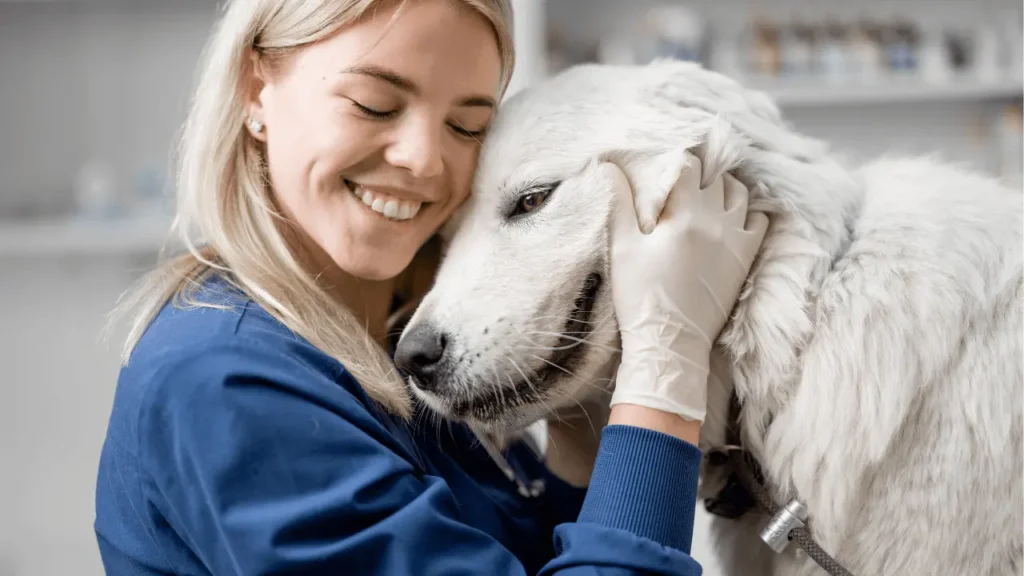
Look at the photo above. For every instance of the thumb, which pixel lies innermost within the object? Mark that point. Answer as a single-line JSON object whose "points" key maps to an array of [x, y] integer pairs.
{"points": [[752, 236]]}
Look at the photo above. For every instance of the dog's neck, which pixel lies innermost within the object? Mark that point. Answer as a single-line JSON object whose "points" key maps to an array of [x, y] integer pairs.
{"points": [[813, 204]]}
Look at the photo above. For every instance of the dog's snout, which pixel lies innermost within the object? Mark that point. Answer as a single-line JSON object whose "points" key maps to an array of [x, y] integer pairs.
{"points": [[419, 353]]}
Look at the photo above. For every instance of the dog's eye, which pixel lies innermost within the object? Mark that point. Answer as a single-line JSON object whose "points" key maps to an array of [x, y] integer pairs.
{"points": [[529, 202]]}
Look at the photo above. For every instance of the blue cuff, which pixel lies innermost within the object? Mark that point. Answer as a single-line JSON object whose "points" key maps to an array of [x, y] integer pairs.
{"points": [[644, 482]]}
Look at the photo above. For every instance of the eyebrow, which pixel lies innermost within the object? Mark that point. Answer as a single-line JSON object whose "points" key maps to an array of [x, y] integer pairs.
{"points": [[406, 85]]}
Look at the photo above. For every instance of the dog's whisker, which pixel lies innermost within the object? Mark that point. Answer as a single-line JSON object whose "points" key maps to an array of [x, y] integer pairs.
{"points": [[497, 381], [586, 382], [550, 333], [553, 365], [515, 390], [549, 348], [575, 342], [588, 325], [567, 319], [540, 397], [595, 386], [526, 336], [593, 429]]}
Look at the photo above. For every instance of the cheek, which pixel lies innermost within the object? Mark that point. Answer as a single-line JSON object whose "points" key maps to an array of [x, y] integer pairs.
{"points": [[461, 165], [309, 147]]}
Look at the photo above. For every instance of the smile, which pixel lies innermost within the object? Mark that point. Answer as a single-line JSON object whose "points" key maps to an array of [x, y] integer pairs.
{"points": [[387, 206]]}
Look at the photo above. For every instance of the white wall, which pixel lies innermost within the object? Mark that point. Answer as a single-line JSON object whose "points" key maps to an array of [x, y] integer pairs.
{"points": [[91, 80], [57, 388], [77, 80]]}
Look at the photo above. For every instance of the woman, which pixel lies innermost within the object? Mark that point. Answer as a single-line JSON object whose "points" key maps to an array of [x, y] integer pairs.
{"points": [[258, 425]]}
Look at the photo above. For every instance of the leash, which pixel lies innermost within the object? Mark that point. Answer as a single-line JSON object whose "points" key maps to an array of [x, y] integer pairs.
{"points": [[785, 523]]}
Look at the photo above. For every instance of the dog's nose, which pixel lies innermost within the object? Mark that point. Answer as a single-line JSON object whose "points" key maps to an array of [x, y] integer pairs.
{"points": [[419, 353]]}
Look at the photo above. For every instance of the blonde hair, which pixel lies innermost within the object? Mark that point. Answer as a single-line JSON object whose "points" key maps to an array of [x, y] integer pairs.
{"points": [[223, 193]]}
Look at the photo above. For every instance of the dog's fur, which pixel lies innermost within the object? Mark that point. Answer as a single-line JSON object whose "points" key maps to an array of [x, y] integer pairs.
{"points": [[877, 348]]}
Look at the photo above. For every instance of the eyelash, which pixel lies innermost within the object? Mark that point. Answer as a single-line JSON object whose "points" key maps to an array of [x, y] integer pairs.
{"points": [[381, 116], [475, 134], [375, 114]]}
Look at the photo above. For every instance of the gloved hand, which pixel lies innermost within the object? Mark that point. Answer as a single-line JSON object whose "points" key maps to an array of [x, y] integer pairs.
{"points": [[673, 289]]}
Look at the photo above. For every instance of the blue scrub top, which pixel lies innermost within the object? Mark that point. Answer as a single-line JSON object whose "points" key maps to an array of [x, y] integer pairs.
{"points": [[236, 447]]}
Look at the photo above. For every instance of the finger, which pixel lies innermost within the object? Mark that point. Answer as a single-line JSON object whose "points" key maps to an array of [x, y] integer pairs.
{"points": [[736, 194], [686, 190], [736, 198], [757, 223], [713, 195], [745, 244], [756, 228]]}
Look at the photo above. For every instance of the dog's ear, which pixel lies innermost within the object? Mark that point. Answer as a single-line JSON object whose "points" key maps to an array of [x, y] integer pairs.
{"points": [[652, 173]]}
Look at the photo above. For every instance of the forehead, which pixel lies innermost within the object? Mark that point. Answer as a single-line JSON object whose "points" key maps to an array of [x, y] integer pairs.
{"points": [[440, 45]]}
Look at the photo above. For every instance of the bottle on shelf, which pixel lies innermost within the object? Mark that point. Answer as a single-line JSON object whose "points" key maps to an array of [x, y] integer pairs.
{"points": [[865, 51], [832, 54], [765, 59]]}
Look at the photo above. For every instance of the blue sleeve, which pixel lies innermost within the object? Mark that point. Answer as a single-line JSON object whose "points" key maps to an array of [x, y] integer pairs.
{"points": [[639, 510], [260, 472]]}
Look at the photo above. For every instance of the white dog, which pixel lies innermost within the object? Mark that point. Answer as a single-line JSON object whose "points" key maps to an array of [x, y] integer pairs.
{"points": [[876, 351]]}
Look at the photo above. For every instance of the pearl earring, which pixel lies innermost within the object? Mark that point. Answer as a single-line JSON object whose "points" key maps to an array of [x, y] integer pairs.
{"points": [[255, 125]]}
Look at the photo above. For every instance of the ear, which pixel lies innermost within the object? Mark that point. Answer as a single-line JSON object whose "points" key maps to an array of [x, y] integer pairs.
{"points": [[652, 173], [256, 82]]}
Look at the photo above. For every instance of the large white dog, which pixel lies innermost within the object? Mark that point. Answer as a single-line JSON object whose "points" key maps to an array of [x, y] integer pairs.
{"points": [[876, 352]]}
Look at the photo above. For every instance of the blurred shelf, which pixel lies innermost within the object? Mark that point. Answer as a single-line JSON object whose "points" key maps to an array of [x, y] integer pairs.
{"points": [[82, 238], [790, 94], [820, 92]]}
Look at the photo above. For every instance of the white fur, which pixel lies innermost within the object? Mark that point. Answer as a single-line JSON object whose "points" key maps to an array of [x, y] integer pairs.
{"points": [[877, 348]]}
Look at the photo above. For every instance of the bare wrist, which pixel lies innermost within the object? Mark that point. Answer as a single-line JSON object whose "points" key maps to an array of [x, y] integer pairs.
{"points": [[657, 420]]}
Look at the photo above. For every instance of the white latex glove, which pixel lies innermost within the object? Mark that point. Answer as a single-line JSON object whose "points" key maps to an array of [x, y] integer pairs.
{"points": [[673, 289]]}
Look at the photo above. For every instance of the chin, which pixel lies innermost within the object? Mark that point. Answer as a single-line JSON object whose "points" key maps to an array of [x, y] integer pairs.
{"points": [[375, 248], [379, 266]]}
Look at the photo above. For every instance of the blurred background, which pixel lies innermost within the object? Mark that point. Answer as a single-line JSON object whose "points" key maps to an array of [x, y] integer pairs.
{"points": [[93, 92]]}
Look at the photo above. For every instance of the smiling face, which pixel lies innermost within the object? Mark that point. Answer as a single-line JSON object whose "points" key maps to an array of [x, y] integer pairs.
{"points": [[372, 135]]}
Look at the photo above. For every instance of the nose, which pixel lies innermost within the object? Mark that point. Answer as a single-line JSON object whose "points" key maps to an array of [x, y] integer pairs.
{"points": [[417, 148], [419, 353]]}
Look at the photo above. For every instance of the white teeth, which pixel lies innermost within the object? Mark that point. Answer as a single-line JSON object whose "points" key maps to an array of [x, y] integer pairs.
{"points": [[385, 205]]}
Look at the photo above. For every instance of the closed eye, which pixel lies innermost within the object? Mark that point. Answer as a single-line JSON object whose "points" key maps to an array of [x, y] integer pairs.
{"points": [[459, 129], [466, 133], [373, 113]]}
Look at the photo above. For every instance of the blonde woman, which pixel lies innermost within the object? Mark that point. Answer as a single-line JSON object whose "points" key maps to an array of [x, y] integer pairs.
{"points": [[259, 426]]}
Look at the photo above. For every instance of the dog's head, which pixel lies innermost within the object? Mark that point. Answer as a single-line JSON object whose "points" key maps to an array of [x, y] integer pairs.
{"points": [[520, 322]]}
